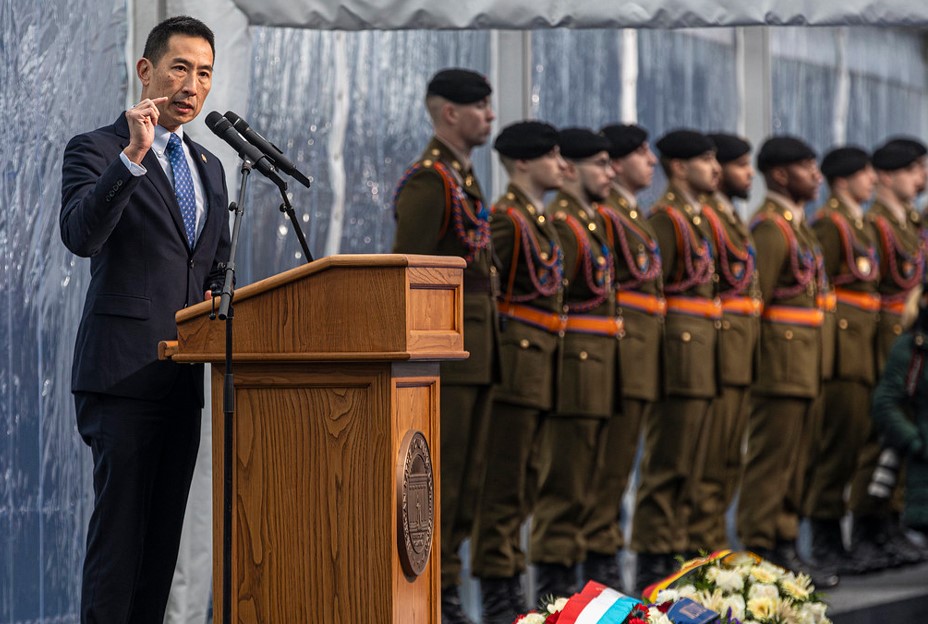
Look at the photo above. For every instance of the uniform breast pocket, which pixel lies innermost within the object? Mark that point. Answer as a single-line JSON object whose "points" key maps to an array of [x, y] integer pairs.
{"points": [[854, 357], [690, 349], [129, 306]]}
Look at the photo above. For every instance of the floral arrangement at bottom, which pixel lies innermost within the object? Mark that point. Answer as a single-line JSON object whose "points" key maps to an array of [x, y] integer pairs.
{"points": [[598, 604], [744, 589]]}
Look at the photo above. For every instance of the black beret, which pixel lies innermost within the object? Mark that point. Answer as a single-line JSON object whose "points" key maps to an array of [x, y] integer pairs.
{"points": [[624, 139], [729, 147], [783, 150], [579, 143], [912, 142], [895, 155], [843, 162], [461, 86], [526, 140], [684, 144]]}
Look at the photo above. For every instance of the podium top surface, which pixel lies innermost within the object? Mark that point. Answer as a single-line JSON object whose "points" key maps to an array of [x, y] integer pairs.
{"points": [[346, 307]]}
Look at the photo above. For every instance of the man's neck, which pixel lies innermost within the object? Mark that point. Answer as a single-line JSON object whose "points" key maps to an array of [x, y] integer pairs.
{"points": [[626, 193], [895, 205], [579, 193], [460, 149], [852, 204], [684, 188], [788, 203], [532, 192]]}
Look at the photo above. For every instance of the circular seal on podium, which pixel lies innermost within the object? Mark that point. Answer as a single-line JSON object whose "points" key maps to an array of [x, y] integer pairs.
{"points": [[415, 503]]}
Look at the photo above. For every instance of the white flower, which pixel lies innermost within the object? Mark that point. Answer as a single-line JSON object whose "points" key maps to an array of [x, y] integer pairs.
{"points": [[817, 611], [557, 605], [766, 572], [736, 604], [795, 589], [532, 618], [729, 581], [687, 591], [762, 607], [668, 595], [656, 617], [763, 590]]}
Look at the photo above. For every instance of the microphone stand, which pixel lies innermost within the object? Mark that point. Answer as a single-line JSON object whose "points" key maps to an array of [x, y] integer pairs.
{"points": [[287, 208], [226, 313]]}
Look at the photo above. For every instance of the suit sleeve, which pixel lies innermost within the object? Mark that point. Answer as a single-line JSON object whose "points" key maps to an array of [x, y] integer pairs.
{"points": [[890, 396], [666, 236], [95, 189], [771, 254], [420, 212]]}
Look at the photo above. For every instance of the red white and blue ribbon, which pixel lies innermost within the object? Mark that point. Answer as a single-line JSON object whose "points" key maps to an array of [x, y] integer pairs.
{"points": [[597, 604]]}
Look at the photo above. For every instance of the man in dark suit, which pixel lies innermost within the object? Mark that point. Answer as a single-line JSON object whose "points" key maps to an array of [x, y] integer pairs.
{"points": [[148, 206]]}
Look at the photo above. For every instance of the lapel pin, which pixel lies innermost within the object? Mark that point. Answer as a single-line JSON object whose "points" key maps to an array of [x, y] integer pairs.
{"points": [[203, 156]]}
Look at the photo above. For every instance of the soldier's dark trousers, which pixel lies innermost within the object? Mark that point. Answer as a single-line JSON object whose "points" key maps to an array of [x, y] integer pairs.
{"points": [[570, 450], [603, 529], [502, 505], [465, 414], [774, 470], [845, 427], [720, 457], [668, 472]]}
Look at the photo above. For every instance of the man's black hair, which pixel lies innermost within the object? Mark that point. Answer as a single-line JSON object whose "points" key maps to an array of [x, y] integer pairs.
{"points": [[157, 43]]}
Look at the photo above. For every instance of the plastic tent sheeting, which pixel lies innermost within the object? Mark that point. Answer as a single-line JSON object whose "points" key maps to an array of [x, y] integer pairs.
{"points": [[531, 14]]}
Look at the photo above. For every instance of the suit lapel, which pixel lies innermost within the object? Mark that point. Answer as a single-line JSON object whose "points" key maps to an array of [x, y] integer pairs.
{"points": [[212, 184]]}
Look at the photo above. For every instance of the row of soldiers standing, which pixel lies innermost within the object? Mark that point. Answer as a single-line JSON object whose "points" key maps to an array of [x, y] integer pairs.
{"points": [[591, 322]]}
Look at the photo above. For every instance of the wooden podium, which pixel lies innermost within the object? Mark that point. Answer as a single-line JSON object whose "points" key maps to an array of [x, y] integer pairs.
{"points": [[335, 363]]}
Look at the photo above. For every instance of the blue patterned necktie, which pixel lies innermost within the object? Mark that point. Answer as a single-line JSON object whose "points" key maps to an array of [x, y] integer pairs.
{"points": [[183, 187]]}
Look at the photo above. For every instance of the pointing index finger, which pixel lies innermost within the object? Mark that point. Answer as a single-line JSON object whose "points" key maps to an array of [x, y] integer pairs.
{"points": [[160, 100]]}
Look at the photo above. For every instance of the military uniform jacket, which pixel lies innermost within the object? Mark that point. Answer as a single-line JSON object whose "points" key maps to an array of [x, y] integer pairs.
{"points": [[736, 266], [788, 266], [531, 300], [590, 370], [640, 296], [901, 269], [693, 308], [440, 211], [852, 265]]}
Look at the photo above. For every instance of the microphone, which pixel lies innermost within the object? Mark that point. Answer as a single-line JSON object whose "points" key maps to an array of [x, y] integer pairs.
{"points": [[222, 128], [269, 149]]}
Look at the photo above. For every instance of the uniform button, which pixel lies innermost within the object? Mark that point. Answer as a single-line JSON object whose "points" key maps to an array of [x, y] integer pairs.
{"points": [[584, 356], [686, 336], [511, 196], [592, 227], [633, 214], [842, 323], [191, 263], [435, 152], [426, 163], [670, 196], [524, 343], [566, 309], [717, 324], [788, 334], [697, 220], [544, 256], [726, 324], [897, 329], [541, 218]]}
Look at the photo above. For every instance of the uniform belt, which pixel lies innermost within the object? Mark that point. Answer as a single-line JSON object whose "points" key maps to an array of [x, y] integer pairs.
{"points": [[745, 306], [599, 325], [695, 306], [554, 323], [827, 302], [893, 307], [857, 299], [649, 304], [791, 315]]}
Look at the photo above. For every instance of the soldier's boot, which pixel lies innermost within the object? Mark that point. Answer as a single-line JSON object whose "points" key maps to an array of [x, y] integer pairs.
{"points": [[452, 611], [603, 569], [909, 552], [554, 579], [652, 567], [784, 555], [866, 547], [828, 548], [496, 602]]}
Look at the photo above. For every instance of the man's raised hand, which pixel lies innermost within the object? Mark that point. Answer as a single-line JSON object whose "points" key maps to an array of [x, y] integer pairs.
{"points": [[142, 119]]}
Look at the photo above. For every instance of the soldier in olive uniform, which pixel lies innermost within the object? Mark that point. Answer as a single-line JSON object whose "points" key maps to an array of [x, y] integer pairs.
{"points": [[571, 449], [723, 434], [694, 314], [876, 538], [849, 250], [440, 211], [532, 323], [789, 373], [640, 300]]}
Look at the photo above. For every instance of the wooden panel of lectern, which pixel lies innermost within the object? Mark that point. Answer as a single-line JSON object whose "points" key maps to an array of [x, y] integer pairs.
{"points": [[335, 364]]}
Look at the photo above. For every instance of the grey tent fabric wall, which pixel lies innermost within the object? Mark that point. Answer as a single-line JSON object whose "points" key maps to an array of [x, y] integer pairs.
{"points": [[62, 71]]}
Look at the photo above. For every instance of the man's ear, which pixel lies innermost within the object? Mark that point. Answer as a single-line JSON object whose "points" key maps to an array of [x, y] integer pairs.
{"points": [[780, 175], [144, 69]]}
